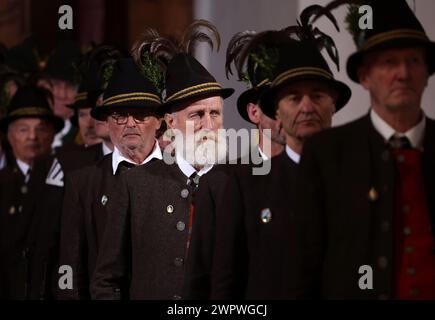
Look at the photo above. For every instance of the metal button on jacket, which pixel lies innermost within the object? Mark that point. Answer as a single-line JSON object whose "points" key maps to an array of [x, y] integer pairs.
{"points": [[169, 209], [184, 193], [411, 271], [266, 215], [401, 158], [181, 226], [407, 231], [12, 210], [24, 189]]}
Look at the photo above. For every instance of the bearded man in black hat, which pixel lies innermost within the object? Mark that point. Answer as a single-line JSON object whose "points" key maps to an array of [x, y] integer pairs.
{"points": [[303, 95], [30, 126], [365, 215], [150, 221]]}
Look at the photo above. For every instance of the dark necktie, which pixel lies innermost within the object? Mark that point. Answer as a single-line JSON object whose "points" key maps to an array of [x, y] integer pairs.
{"points": [[399, 143], [192, 182], [124, 166]]}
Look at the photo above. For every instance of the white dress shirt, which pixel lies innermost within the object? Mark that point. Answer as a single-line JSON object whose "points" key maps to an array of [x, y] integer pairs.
{"points": [[117, 157], [106, 149], [292, 154], [188, 169], [415, 135]]}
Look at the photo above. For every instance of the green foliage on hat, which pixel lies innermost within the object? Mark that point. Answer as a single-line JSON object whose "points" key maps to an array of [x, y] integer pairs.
{"points": [[152, 70], [266, 59]]}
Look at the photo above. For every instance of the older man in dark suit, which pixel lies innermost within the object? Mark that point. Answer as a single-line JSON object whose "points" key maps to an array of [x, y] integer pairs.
{"points": [[150, 221], [365, 207], [30, 126], [131, 109], [303, 95]]}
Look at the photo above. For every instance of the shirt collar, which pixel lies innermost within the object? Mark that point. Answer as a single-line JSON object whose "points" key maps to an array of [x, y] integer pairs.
{"points": [[117, 157], [188, 169], [292, 154], [106, 149], [262, 154], [415, 134], [24, 167], [2, 160]]}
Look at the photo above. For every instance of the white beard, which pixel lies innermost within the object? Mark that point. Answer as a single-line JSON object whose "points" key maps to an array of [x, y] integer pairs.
{"points": [[204, 148]]}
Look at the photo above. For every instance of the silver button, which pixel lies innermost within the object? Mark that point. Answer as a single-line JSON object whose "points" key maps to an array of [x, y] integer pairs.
{"points": [[20, 209], [414, 292], [12, 210], [407, 231], [178, 262], [177, 297], [266, 215], [373, 194], [385, 226], [184, 193], [382, 262], [401, 158], [24, 189], [170, 209], [411, 271], [181, 226], [104, 200], [409, 249]]}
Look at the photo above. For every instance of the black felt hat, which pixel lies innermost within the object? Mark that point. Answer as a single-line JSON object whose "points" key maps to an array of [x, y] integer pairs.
{"points": [[244, 50], [394, 26], [89, 89], [128, 88], [62, 61], [187, 80], [251, 95], [296, 61], [30, 102]]}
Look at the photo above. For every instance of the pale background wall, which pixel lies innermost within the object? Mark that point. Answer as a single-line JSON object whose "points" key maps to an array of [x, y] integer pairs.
{"points": [[231, 16]]}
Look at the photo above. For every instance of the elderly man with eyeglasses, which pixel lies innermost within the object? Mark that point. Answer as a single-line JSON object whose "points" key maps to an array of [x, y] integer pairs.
{"points": [[131, 110]]}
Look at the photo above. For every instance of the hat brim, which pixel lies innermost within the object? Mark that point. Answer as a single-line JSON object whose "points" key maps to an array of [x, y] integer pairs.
{"points": [[179, 104], [267, 100], [101, 112], [355, 60], [249, 96], [57, 122]]}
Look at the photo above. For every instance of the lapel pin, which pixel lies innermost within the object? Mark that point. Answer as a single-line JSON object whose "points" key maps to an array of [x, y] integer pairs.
{"points": [[373, 194], [104, 200], [12, 210], [266, 215]]}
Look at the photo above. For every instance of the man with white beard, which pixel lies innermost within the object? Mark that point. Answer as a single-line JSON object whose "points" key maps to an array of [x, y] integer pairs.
{"points": [[149, 223]]}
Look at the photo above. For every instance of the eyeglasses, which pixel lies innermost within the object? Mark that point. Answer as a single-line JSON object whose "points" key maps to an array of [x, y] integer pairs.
{"points": [[122, 118]]}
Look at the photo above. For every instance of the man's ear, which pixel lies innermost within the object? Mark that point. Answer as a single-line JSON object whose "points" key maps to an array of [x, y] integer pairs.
{"points": [[254, 112], [170, 120], [277, 114], [362, 74]]}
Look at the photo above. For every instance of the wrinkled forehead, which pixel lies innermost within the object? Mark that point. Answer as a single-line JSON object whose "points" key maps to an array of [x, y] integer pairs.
{"points": [[303, 87], [211, 103], [29, 122], [396, 53]]}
